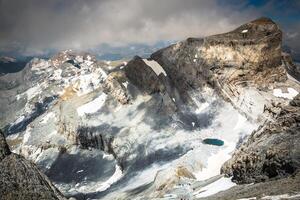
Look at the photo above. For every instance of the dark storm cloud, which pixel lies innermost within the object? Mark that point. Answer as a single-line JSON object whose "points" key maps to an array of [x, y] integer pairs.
{"points": [[61, 24]]}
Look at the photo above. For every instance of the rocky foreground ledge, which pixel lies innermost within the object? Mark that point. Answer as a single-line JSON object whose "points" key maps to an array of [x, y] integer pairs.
{"points": [[21, 179]]}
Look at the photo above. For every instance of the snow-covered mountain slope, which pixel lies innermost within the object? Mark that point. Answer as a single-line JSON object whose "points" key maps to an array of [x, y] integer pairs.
{"points": [[151, 128]]}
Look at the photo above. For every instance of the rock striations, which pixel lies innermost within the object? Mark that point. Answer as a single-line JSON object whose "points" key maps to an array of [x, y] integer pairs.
{"points": [[232, 63]]}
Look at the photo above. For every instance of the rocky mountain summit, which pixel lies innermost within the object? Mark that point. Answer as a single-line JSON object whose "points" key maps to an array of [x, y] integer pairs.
{"points": [[162, 127]]}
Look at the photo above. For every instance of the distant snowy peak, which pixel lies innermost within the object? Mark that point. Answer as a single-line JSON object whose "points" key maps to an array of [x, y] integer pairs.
{"points": [[68, 69], [74, 57]]}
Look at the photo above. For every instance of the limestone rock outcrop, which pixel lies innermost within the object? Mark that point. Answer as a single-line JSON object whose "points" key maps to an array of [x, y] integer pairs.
{"points": [[231, 63]]}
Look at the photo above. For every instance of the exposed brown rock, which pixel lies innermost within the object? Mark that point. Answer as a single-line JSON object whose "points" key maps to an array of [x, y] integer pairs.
{"points": [[188, 62]]}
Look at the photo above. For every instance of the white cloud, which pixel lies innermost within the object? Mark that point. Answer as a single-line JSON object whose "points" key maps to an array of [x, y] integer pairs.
{"points": [[81, 24]]}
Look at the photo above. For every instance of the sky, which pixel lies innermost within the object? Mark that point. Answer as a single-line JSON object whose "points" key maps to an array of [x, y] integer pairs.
{"points": [[33, 26]]}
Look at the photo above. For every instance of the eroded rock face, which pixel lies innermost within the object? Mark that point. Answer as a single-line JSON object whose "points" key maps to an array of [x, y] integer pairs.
{"points": [[141, 75], [115, 84], [257, 43], [270, 152], [21, 179], [258, 47]]}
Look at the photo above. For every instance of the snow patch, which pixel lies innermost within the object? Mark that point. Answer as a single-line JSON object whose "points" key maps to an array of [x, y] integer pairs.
{"points": [[288, 95], [47, 157], [92, 106], [155, 66], [90, 82], [114, 178], [240, 123], [27, 135], [283, 196], [88, 62], [47, 117], [215, 187], [19, 119], [107, 156], [245, 31], [99, 187], [79, 59], [215, 162], [32, 92], [201, 107], [57, 74], [125, 84]]}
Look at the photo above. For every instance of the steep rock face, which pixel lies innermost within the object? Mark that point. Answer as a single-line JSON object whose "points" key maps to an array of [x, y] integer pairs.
{"points": [[257, 43], [253, 50], [270, 152], [89, 137], [21, 179], [140, 74]]}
